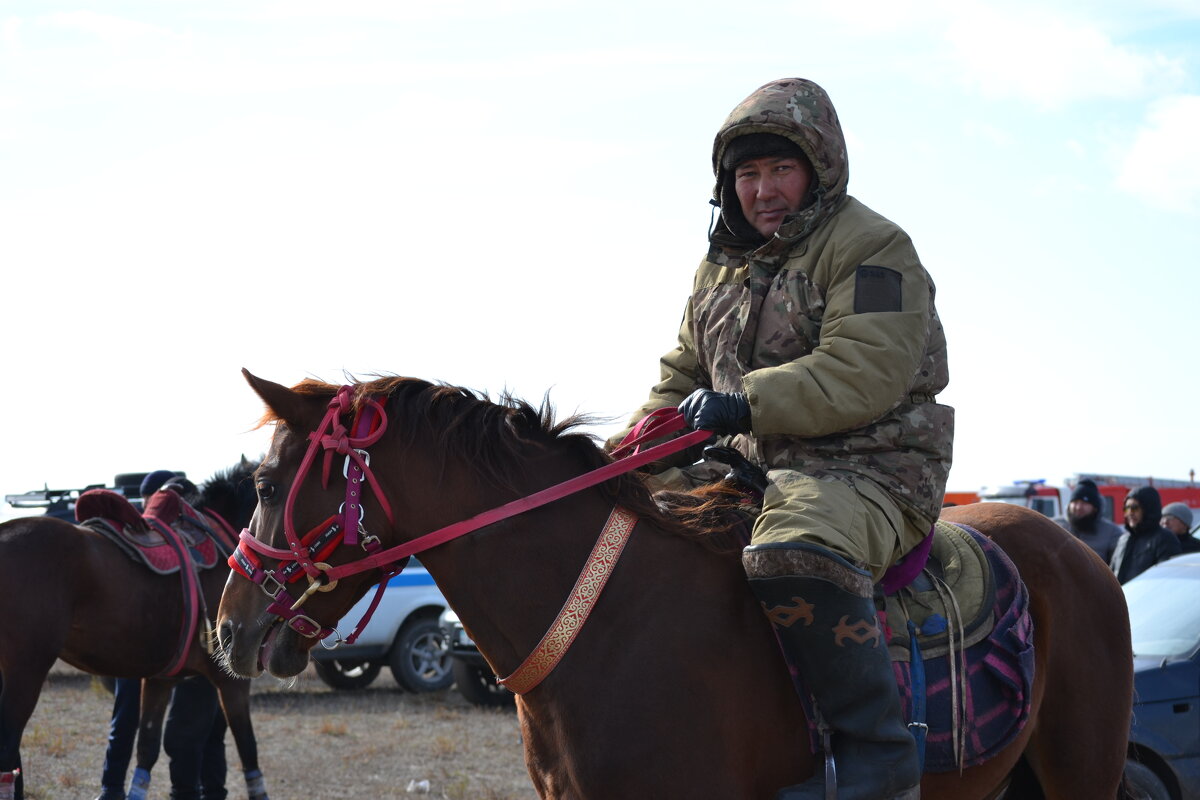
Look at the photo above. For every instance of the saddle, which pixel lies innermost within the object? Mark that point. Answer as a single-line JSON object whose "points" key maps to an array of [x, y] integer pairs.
{"points": [[950, 602], [972, 682], [152, 538]]}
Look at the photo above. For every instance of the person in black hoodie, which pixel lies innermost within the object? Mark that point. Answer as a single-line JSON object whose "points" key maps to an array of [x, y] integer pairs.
{"points": [[1146, 543], [1087, 524]]}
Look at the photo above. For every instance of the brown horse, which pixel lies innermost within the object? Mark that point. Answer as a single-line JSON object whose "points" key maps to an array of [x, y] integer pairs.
{"points": [[72, 594], [675, 686]]}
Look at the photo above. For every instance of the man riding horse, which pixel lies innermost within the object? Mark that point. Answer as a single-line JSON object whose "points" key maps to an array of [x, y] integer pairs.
{"points": [[811, 340]]}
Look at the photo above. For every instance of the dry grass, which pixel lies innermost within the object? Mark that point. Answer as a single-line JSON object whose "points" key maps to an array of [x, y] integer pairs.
{"points": [[313, 742]]}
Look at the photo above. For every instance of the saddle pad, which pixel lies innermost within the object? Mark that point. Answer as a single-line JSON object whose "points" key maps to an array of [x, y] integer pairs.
{"points": [[145, 538], [995, 697], [958, 564], [165, 508], [160, 557]]}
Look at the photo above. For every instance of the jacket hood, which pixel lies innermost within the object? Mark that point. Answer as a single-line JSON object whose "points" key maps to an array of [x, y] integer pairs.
{"points": [[800, 111], [1148, 498]]}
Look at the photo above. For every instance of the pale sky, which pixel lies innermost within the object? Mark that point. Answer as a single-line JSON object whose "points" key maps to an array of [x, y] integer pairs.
{"points": [[513, 195]]}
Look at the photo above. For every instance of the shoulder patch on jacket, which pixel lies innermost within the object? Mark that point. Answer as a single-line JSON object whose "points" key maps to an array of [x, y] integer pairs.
{"points": [[876, 289]]}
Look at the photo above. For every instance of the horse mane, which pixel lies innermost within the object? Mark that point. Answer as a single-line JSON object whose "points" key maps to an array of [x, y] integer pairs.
{"points": [[231, 489], [494, 437]]}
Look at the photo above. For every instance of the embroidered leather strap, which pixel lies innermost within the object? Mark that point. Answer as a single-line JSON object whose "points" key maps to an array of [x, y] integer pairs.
{"points": [[580, 602]]}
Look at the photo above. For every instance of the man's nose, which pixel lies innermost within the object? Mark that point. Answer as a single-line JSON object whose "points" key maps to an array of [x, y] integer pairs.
{"points": [[766, 187]]}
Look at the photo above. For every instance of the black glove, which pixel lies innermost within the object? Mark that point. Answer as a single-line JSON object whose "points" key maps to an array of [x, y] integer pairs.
{"points": [[719, 412]]}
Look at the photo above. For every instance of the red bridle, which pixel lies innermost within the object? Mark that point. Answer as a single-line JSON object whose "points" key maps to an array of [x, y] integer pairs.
{"points": [[305, 553]]}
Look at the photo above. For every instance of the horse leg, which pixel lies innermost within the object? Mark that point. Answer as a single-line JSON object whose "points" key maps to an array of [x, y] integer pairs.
{"points": [[155, 693], [235, 703], [20, 686]]}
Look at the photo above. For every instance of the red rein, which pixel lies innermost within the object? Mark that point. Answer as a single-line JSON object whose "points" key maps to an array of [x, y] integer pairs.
{"points": [[305, 554]]}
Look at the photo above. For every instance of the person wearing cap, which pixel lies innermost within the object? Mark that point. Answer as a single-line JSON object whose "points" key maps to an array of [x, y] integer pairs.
{"points": [[194, 732], [122, 728], [1177, 518], [1145, 542], [810, 341], [1085, 522]]}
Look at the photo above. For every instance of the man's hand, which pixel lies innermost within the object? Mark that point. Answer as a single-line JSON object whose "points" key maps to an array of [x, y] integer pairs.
{"points": [[720, 412]]}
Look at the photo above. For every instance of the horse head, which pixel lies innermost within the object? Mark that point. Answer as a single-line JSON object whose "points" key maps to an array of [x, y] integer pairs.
{"points": [[344, 462], [320, 513]]}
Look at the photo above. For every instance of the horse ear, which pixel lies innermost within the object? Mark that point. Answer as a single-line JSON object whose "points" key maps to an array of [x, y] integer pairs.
{"points": [[287, 405]]}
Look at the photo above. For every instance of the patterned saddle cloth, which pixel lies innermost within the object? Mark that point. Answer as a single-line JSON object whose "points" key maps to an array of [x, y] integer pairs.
{"points": [[169, 530], [975, 638]]}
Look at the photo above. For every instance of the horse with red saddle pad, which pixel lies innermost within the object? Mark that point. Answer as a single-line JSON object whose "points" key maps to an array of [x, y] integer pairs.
{"points": [[124, 595]]}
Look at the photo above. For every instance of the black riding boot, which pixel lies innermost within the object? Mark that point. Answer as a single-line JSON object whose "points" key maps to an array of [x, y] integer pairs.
{"points": [[821, 607]]}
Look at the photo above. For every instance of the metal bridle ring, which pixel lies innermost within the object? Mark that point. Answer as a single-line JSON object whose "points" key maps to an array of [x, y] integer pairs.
{"points": [[337, 641], [328, 587]]}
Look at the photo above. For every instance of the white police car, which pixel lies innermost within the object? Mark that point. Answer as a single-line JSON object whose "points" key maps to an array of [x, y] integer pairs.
{"points": [[403, 633]]}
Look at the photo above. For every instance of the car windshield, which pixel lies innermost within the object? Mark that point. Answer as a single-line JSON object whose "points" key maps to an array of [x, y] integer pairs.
{"points": [[1163, 613]]}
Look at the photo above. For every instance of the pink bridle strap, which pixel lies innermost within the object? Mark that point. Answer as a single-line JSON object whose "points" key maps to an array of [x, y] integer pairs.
{"points": [[520, 506], [653, 426], [337, 440]]}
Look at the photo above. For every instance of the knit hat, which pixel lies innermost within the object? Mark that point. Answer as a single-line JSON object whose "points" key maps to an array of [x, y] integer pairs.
{"points": [[1179, 511], [759, 145], [1087, 491], [154, 481]]}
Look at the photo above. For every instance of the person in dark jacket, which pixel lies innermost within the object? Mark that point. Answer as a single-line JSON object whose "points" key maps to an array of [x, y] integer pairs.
{"points": [[1146, 542], [194, 734], [1177, 518], [1087, 524]]}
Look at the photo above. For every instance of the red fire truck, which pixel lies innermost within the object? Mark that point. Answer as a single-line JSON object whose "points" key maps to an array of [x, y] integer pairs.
{"points": [[1052, 500]]}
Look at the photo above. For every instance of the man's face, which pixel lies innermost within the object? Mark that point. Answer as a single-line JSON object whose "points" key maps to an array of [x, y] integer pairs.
{"points": [[1080, 509], [1133, 513], [770, 188], [1174, 525]]}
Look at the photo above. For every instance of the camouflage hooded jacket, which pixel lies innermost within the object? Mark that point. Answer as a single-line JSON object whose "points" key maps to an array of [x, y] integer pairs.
{"points": [[829, 327]]}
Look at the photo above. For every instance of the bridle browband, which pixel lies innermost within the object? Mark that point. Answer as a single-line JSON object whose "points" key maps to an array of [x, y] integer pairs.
{"points": [[305, 554]]}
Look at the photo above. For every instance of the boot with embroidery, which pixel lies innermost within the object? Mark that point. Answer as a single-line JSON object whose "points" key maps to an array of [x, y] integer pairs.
{"points": [[822, 609]]}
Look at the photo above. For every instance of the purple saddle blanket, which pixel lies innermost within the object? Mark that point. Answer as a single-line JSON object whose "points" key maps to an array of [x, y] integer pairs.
{"points": [[993, 678]]}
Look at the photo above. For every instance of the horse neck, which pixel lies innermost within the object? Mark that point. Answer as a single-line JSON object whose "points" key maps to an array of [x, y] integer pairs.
{"points": [[507, 582]]}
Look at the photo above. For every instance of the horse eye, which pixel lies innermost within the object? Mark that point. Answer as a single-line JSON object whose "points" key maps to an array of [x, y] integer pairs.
{"points": [[265, 491]]}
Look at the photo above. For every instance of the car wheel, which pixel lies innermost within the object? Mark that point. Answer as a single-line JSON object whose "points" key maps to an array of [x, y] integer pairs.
{"points": [[348, 674], [478, 685], [420, 658], [1144, 783]]}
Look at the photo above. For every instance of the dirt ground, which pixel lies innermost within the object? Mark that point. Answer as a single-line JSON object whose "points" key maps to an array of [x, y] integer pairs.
{"points": [[313, 742]]}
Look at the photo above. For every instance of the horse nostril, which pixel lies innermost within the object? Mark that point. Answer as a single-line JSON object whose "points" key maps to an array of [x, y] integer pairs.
{"points": [[225, 634]]}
